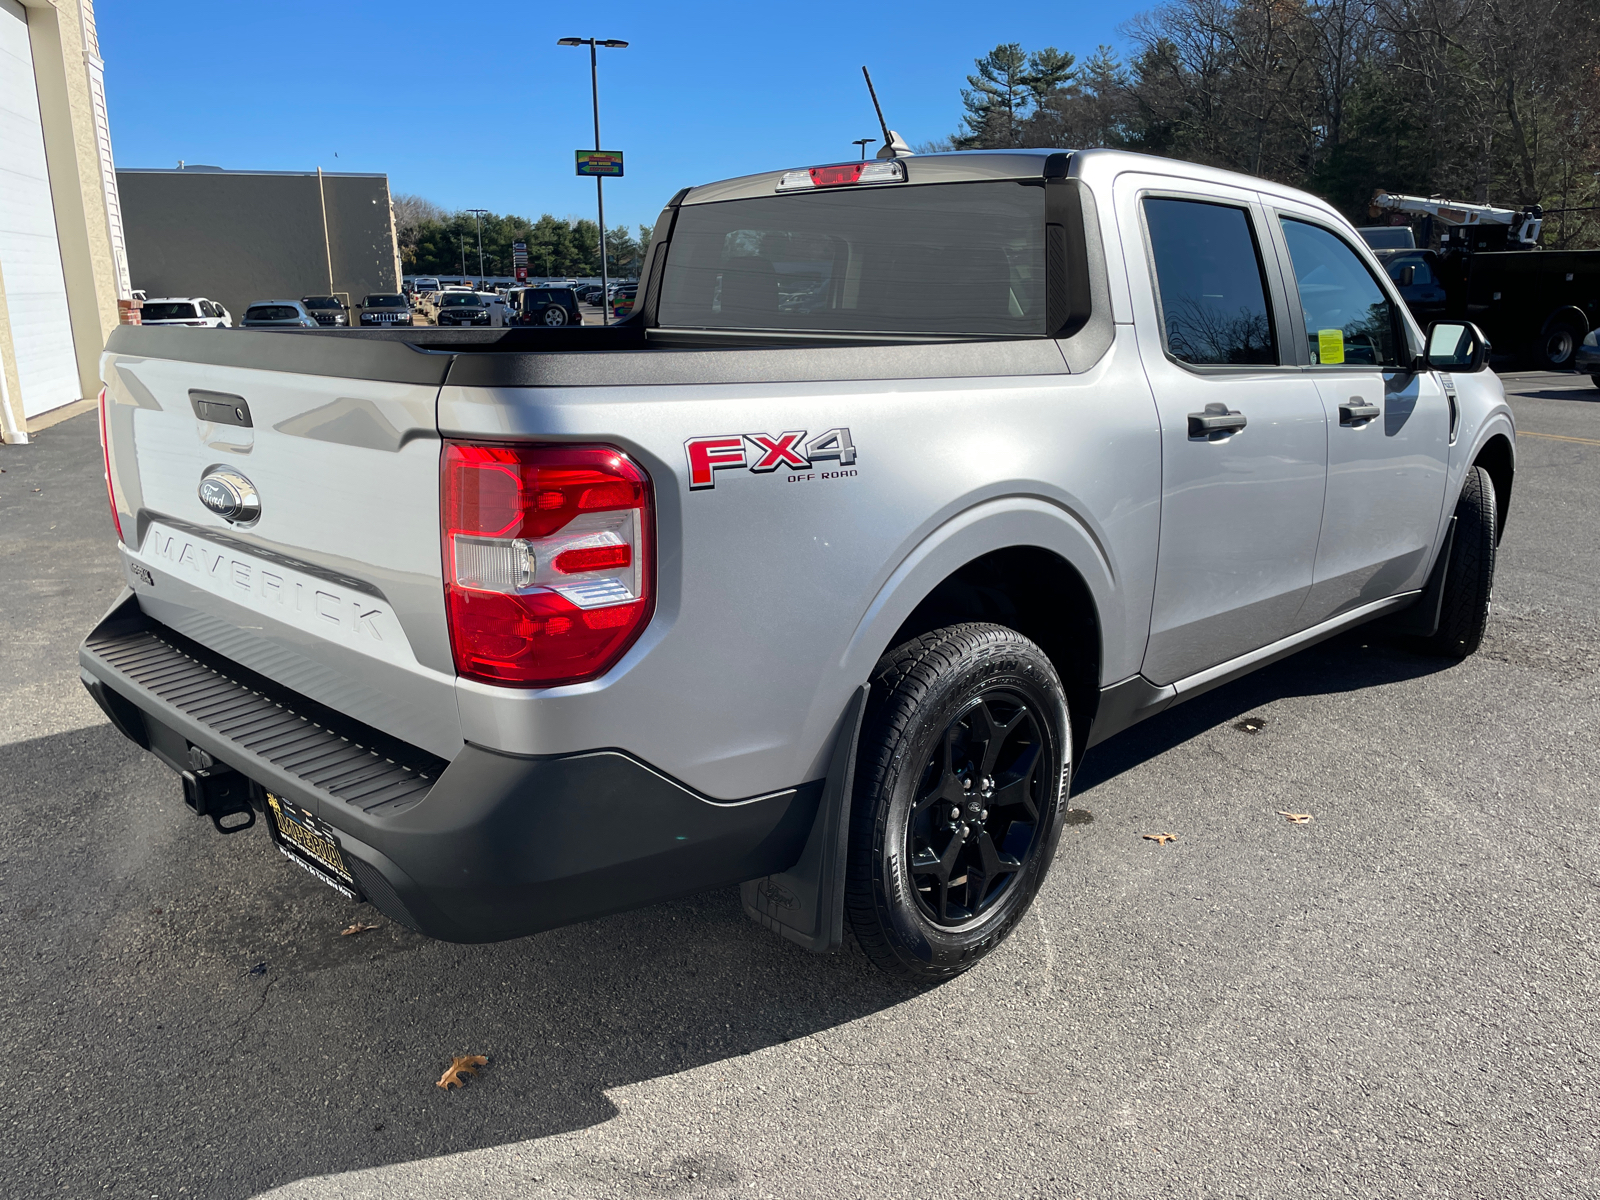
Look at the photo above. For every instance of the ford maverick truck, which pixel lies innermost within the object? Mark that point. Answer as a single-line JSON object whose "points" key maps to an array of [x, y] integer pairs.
{"points": [[904, 484]]}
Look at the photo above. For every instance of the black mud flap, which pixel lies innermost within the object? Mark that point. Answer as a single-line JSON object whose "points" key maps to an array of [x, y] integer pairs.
{"points": [[1422, 618], [806, 903]]}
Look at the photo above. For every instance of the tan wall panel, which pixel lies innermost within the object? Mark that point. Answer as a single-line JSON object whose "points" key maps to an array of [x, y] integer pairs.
{"points": [[66, 112]]}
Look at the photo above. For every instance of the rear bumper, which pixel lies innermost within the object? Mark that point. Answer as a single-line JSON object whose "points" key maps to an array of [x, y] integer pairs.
{"points": [[486, 847]]}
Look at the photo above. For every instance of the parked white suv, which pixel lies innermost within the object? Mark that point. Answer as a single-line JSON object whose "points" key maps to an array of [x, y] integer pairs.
{"points": [[185, 310]]}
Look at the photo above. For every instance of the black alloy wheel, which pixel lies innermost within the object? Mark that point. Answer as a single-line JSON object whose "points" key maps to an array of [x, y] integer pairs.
{"points": [[960, 792], [975, 819]]}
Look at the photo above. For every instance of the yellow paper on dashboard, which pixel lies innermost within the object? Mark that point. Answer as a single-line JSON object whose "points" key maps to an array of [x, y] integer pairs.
{"points": [[1330, 346]]}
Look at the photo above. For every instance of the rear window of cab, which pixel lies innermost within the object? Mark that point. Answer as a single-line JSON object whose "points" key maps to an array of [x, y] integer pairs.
{"points": [[963, 258]]}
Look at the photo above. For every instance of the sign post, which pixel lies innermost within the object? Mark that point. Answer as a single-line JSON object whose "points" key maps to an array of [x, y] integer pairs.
{"points": [[519, 261], [599, 176]]}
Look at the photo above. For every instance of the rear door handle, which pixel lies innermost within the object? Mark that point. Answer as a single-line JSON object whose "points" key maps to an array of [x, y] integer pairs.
{"points": [[1217, 418], [1357, 410]]}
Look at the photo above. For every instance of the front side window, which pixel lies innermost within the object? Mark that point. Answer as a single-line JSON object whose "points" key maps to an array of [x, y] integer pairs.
{"points": [[1213, 290], [1349, 320], [963, 258]]}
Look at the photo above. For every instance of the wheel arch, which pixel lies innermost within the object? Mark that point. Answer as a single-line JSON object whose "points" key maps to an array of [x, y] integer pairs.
{"points": [[1566, 313], [1497, 457], [1021, 562], [1039, 594]]}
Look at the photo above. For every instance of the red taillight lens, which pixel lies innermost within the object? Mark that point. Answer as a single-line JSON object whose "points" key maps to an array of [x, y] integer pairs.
{"points": [[546, 560], [105, 451], [834, 176]]}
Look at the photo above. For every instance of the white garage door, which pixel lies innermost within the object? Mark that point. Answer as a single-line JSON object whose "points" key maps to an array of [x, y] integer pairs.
{"points": [[30, 258]]}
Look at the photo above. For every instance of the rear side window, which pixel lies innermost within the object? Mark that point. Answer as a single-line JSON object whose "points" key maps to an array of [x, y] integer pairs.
{"points": [[1213, 290], [1349, 319], [949, 258]]}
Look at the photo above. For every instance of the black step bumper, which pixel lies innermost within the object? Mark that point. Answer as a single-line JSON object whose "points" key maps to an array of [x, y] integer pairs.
{"points": [[486, 847]]}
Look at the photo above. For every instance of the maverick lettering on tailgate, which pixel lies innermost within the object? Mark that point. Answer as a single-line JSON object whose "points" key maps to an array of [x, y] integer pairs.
{"points": [[296, 598]]}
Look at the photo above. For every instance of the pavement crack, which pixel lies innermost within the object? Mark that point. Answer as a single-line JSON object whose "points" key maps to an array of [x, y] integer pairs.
{"points": [[244, 1025]]}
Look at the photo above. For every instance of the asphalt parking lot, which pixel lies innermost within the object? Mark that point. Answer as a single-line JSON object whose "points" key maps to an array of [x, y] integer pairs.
{"points": [[1397, 998]]}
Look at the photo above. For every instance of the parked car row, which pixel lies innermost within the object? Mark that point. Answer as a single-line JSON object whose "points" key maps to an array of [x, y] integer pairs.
{"points": [[450, 304], [308, 312]]}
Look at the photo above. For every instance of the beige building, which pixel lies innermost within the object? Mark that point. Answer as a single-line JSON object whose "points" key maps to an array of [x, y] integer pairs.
{"points": [[63, 261]]}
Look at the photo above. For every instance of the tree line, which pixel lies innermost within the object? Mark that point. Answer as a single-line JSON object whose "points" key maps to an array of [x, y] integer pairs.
{"points": [[1488, 101], [435, 242]]}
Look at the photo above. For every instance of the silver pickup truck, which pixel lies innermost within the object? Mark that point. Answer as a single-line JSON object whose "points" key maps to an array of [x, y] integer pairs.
{"points": [[905, 483]]}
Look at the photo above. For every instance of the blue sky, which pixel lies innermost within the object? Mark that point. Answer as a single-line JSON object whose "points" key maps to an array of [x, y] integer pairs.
{"points": [[476, 106]]}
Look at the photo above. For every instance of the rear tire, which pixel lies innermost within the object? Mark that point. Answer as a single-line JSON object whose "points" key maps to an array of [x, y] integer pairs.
{"points": [[961, 786], [1469, 576], [555, 315], [1558, 345]]}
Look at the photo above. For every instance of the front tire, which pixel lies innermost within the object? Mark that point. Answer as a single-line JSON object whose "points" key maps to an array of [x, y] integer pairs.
{"points": [[961, 785], [1469, 575]]}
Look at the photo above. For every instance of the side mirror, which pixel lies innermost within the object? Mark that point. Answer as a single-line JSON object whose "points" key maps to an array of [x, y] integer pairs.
{"points": [[1457, 346], [1407, 276]]}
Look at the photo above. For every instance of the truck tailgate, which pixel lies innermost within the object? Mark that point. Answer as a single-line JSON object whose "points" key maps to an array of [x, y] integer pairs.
{"points": [[335, 589]]}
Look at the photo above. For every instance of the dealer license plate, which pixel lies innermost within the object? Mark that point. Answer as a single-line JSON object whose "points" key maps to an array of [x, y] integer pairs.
{"points": [[310, 844]]}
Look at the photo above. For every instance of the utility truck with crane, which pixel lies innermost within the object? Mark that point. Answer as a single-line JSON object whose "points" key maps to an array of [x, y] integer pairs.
{"points": [[1531, 303]]}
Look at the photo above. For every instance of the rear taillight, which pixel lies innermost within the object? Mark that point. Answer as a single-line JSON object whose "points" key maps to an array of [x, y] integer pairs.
{"points": [[843, 175], [547, 560], [105, 451]]}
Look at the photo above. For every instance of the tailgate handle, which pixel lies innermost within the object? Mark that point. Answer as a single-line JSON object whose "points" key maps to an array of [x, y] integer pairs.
{"points": [[221, 408]]}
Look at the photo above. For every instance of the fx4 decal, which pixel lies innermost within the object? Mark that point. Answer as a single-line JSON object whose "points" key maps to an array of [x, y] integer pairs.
{"points": [[763, 453]]}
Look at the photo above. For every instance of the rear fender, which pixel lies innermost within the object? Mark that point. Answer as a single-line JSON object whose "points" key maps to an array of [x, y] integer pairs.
{"points": [[992, 525]]}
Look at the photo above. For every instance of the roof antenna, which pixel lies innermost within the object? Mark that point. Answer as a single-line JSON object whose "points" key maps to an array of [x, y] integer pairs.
{"points": [[892, 147]]}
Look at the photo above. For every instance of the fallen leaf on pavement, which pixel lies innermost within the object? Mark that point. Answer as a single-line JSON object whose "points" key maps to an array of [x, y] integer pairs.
{"points": [[1251, 725], [1161, 839], [358, 927], [462, 1064], [1295, 818]]}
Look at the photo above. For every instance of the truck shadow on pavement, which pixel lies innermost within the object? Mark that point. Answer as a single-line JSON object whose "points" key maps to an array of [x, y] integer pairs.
{"points": [[1359, 659], [194, 983], [200, 1023]]}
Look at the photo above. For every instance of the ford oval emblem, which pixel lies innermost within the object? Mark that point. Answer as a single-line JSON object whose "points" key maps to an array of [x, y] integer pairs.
{"points": [[230, 495]]}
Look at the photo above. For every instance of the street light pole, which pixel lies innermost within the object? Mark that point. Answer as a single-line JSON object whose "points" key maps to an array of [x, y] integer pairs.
{"points": [[863, 143], [477, 215], [599, 183]]}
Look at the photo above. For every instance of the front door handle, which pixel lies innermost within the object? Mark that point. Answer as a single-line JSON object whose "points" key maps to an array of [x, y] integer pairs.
{"points": [[1357, 410], [1217, 418]]}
